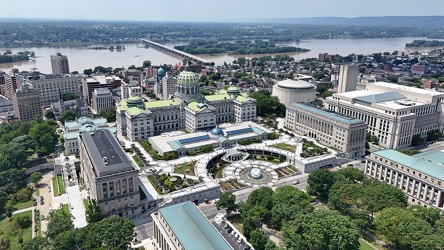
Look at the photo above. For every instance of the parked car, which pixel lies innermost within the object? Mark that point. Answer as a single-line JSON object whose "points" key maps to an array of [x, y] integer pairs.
{"points": [[239, 240], [42, 217], [233, 233], [295, 182], [226, 226], [49, 189]]}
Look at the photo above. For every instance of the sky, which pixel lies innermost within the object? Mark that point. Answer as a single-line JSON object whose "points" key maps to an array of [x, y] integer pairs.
{"points": [[222, 10]]}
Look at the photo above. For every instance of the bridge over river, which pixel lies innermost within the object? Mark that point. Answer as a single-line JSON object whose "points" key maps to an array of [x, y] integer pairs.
{"points": [[173, 51]]}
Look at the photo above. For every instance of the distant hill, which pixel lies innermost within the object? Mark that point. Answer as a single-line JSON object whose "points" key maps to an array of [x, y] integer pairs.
{"points": [[396, 21]]}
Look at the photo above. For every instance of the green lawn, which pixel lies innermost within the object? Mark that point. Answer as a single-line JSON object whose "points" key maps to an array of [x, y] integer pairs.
{"points": [[63, 210], [61, 186], [54, 186], [37, 192], [138, 161], [365, 246], [284, 146], [85, 203], [21, 205], [10, 230], [185, 168]]}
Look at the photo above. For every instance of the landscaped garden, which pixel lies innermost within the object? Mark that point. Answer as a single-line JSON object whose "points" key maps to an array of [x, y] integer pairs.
{"points": [[231, 185], [217, 168], [245, 142], [17, 229], [284, 146], [166, 183], [275, 159], [186, 168], [286, 171], [309, 149], [150, 150]]}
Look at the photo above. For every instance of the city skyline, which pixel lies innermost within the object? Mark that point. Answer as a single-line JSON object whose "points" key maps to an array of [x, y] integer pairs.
{"points": [[201, 11]]}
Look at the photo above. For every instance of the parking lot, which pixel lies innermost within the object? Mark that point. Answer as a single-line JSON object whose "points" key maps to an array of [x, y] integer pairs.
{"points": [[232, 238], [45, 190]]}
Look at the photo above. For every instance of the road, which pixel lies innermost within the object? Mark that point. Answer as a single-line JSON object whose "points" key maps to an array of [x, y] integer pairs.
{"points": [[145, 231]]}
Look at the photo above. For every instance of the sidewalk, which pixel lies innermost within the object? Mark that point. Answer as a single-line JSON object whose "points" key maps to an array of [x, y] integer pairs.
{"points": [[23, 210]]}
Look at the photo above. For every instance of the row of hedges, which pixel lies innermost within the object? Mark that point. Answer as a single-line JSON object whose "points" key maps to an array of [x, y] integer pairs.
{"points": [[249, 141], [205, 149], [150, 150]]}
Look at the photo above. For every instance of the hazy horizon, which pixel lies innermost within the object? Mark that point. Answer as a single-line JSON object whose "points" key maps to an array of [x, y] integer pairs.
{"points": [[205, 11]]}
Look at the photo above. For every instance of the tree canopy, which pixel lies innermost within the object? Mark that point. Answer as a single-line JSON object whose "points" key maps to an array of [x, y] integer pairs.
{"points": [[227, 201], [268, 105]]}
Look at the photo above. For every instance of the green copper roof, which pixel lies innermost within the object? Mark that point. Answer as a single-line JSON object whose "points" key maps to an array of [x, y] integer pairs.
{"points": [[158, 104], [329, 115], [194, 106], [429, 162], [241, 98], [187, 77], [192, 228], [218, 97]]}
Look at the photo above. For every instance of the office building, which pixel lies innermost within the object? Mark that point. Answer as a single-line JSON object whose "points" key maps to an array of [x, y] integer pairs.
{"points": [[59, 64], [346, 134], [102, 100], [12, 82], [108, 174], [78, 105], [184, 227], [348, 78], [52, 88], [291, 91], [393, 113], [96, 82], [72, 130], [5, 104], [168, 86], [420, 176], [139, 120], [130, 89], [26, 103]]}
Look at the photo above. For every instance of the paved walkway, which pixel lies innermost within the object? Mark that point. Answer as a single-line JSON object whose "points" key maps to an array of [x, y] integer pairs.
{"points": [[23, 210], [76, 206]]}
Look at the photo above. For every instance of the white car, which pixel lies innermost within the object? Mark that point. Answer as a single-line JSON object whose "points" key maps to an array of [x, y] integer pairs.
{"points": [[295, 182]]}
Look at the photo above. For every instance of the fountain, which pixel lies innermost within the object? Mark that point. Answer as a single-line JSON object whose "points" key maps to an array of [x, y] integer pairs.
{"points": [[255, 173]]}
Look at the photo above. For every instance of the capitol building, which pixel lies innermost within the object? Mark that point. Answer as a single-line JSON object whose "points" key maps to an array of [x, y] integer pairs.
{"points": [[188, 109]]}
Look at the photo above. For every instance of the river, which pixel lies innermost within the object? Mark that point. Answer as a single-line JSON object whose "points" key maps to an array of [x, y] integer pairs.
{"points": [[81, 58]]}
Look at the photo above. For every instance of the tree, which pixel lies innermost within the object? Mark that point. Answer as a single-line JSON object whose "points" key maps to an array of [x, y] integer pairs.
{"points": [[115, 232], [65, 240], [49, 114], [393, 78], [227, 201], [5, 244], [326, 94], [58, 225], [416, 140], [37, 243], [87, 71], [433, 135], [146, 63], [45, 136], [258, 239], [93, 213], [12, 180], [321, 229], [68, 96], [401, 228], [288, 202], [109, 114], [320, 181], [36, 177], [68, 115], [24, 221], [3, 201]]}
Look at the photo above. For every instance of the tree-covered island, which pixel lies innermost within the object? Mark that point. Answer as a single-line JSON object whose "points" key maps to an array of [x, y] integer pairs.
{"points": [[236, 48], [425, 43]]}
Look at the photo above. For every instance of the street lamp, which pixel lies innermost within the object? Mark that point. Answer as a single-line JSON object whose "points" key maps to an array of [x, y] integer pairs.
{"points": [[339, 241]]}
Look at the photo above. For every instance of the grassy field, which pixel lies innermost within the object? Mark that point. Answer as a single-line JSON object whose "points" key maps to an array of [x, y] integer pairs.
{"points": [[85, 203], [284, 146], [10, 230], [365, 246], [21, 205], [61, 186], [37, 192], [63, 210], [55, 189], [138, 161], [185, 168]]}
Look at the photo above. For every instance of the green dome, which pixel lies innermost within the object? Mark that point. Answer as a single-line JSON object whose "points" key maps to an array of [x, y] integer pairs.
{"points": [[233, 90], [134, 101], [187, 78], [161, 71]]}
